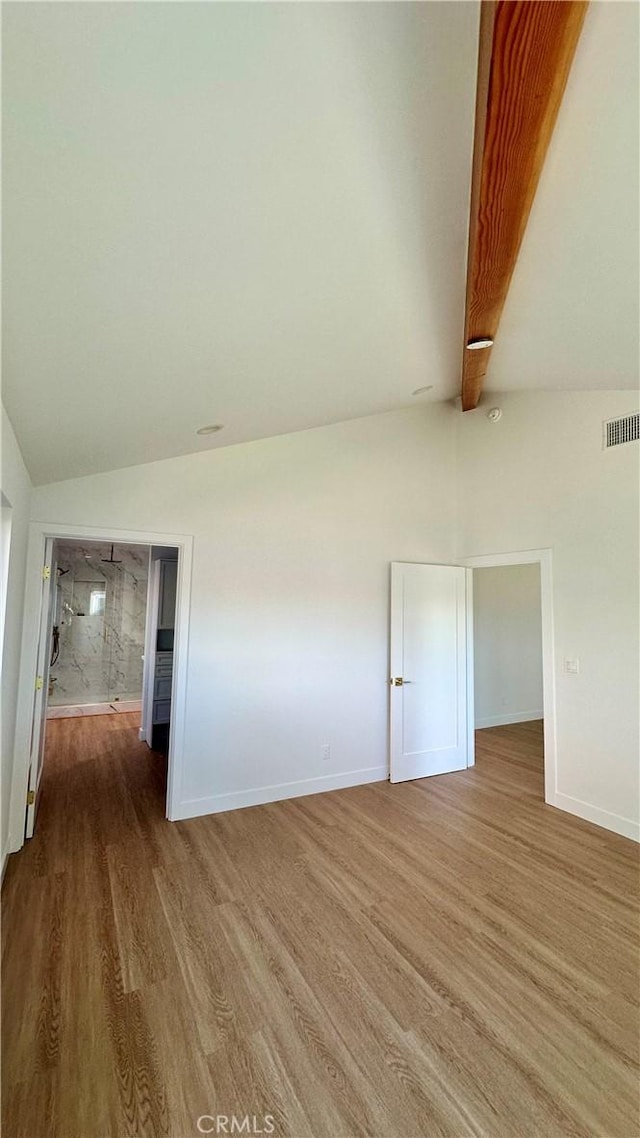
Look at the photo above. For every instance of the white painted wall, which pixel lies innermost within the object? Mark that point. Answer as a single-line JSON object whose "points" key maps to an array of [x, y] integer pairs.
{"points": [[292, 542], [507, 644], [16, 490], [293, 537], [539, 478]]}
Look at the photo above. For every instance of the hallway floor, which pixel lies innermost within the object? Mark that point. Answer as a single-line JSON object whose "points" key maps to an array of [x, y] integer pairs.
{"points": [[447, 957]]}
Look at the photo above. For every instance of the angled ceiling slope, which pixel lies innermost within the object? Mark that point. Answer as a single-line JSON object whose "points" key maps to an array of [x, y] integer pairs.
{"points": [[570, 320], [257, 215], [248, 214]]}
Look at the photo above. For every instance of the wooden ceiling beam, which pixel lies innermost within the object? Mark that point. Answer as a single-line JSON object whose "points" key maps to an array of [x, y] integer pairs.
{"points": [[525, 55]]}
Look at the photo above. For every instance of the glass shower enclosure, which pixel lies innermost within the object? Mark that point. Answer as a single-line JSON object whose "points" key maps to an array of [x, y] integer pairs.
{"points": [[99, 622]]}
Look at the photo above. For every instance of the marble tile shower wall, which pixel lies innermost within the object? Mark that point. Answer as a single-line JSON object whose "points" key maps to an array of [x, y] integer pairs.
{"points": [[100, 614]]}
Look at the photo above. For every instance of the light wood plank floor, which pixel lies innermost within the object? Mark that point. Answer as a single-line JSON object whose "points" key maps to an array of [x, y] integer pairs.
{"points": [[442, 958]]}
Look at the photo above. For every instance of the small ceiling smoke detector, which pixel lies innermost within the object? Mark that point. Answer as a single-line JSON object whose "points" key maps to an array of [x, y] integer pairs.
{"points": [[494, 415], [478, 342], [422, 390], [210, 430]]}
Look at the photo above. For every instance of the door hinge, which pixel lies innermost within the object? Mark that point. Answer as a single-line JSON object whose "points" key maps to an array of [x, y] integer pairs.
{"points": [[39, 683], [46, 572], [31, 797]]}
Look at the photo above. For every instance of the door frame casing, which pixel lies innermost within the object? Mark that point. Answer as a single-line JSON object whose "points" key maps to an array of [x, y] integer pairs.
{"points": [[24, 744], [543, 558], [40, 697]]}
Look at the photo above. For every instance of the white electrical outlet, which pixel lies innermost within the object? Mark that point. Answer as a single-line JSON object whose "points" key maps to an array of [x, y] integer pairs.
{"points": [[326, 750], [571, 667]]}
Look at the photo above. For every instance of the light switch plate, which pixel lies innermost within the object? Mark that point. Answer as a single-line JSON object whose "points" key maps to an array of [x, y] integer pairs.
{"points": [[571, 667]]}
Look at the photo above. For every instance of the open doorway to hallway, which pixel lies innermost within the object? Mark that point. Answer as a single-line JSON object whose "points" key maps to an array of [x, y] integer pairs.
{"points": [[508, 669], [108, 626], [31, 722]]}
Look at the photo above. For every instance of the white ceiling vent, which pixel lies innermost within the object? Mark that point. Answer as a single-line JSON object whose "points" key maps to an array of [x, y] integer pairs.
{"points": [[623, 430]]}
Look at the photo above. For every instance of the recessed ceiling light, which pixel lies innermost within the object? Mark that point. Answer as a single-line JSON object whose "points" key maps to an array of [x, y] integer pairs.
{"points": [[210, 430], [478, 342], [422, 390]]}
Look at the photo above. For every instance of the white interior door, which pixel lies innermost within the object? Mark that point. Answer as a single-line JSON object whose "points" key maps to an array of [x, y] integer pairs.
{"points": [[38, 728], [428, 670]]}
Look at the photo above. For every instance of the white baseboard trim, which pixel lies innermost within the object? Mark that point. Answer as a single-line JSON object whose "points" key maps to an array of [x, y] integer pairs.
{"points": [[237, 799], [511, 717], [142, 735], [605, 818]]}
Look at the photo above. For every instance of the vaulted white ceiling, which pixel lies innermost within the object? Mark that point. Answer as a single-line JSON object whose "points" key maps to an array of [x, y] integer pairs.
{"points": [[256, 215], [571, 316]]}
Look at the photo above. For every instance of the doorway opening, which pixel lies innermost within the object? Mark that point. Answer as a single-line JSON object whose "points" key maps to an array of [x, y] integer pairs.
{"points": [[107, 646], [546, 729], [105, 634], [433, 673], [508, 671]]}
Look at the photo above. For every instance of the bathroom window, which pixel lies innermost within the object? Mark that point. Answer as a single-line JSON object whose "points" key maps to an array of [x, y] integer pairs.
{"points": [[96, 602]]}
